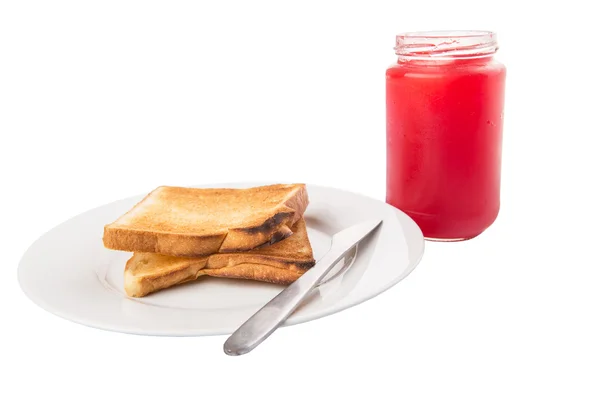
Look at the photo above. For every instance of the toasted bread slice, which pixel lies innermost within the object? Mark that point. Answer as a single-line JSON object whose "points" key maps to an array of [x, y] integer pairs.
{"points": [[188, 222], [282, 262]]}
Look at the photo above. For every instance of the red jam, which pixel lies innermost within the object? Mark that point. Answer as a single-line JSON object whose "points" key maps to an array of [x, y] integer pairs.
{"points": [[445, 99]]}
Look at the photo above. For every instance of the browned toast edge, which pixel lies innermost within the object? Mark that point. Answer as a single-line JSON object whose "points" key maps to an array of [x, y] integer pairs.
{"points": [[255, 272]]}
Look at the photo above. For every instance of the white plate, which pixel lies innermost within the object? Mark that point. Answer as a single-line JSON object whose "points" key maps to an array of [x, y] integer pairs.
{"points": [[68, 272]]}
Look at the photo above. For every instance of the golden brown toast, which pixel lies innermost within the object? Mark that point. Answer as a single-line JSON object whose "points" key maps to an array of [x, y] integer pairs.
{"points": [[189, 222], [282, 262]]}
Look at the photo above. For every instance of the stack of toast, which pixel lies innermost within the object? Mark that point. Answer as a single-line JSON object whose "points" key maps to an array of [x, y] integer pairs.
{"points": [[178, 234]]}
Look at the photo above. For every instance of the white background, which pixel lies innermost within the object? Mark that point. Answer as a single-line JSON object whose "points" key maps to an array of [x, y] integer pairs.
{"points": [[101, 100]]}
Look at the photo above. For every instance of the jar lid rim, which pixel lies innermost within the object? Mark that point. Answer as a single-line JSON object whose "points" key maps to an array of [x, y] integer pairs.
{"points": [[440, 34], [446, 44]]}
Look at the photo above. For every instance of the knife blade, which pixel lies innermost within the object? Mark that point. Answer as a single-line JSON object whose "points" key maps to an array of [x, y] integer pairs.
{"points": [[266, 320]]}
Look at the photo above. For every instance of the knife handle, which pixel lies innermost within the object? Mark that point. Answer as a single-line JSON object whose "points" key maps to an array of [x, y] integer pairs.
{"points": [[266, 320]]}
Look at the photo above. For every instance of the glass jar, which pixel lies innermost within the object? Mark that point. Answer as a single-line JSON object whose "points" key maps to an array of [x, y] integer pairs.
{"points": [[444, 111]]}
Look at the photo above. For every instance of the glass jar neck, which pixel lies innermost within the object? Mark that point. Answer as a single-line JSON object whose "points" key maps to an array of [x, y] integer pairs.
{"points": [[445, 46]]}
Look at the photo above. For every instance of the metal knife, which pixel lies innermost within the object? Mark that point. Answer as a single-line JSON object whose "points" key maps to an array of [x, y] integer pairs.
{"points": [[266, 320]]}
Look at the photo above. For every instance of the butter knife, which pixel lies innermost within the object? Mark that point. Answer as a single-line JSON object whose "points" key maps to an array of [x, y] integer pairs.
{"points": [[266, 320]]}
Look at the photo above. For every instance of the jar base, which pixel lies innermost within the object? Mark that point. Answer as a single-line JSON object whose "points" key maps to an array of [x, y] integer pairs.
{"points": [[449, 240]]}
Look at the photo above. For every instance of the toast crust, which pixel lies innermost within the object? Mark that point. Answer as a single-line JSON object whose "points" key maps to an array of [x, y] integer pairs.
{"points": [[255, 272], [135, 287], [189, 222], [280, 263]]}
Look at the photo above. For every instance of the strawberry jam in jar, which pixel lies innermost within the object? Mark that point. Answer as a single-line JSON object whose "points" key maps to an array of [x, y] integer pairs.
{"points": [[444, 111]]}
